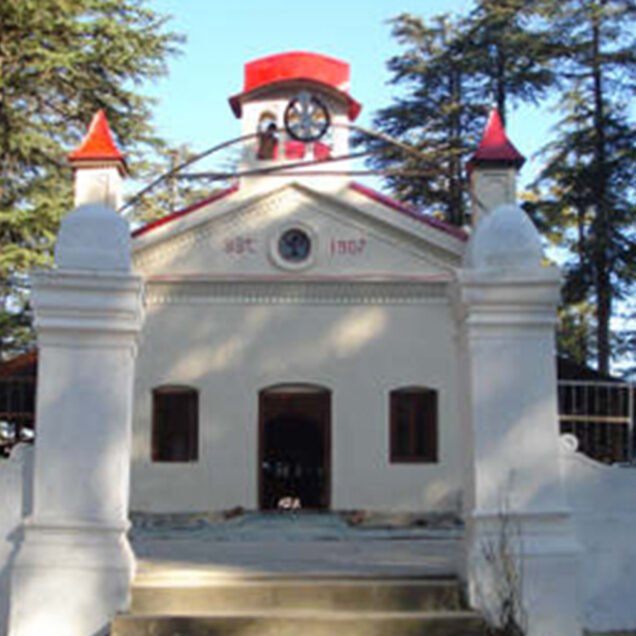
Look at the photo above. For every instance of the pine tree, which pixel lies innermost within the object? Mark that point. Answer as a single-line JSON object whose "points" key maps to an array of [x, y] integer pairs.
{"points": [[439, 116], [452, 70], [60, 61], [510, 52], [588, 182]]}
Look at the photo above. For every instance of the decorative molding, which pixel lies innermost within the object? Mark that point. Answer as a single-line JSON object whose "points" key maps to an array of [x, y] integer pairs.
{"points": [[322, 292], [219, 226], [407, 235]]}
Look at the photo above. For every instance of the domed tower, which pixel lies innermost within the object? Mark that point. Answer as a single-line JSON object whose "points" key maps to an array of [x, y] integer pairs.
{"points": [[298, 106]]}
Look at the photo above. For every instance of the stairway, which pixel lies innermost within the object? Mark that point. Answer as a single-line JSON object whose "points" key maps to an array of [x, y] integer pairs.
{"points": [[297, 605]]}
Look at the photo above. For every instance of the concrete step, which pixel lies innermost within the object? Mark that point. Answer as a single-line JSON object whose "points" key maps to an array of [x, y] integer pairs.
{"points": [[286, 593], [304, 623]]}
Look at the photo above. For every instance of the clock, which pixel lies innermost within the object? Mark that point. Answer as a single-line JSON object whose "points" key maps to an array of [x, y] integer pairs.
{"points": [[294, 245], [306, 117]]}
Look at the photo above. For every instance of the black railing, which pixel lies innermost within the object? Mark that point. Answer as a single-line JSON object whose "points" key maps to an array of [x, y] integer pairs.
{"points": [[601, 416]]}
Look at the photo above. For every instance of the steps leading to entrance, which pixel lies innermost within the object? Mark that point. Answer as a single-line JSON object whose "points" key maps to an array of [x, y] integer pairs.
{"points": [[353, 624], [298, 594], [299, 606]]}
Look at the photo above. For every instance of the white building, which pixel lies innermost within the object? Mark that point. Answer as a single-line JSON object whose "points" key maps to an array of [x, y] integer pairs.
{"points": [[301, 332], [300, 337], [306, 338]]}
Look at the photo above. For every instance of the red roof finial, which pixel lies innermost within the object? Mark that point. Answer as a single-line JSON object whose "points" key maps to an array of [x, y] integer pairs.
{"points": [[495, 147], [98, 144]]}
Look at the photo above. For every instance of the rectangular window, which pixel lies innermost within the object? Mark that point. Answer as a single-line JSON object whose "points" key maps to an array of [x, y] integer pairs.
{"points": [[413, 425], [175, 425]]}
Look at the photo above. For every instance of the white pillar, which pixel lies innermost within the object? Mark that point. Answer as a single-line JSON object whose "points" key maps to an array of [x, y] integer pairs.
{"points": [[98, 183], [517, 518], [490, 187], [74, 566]]}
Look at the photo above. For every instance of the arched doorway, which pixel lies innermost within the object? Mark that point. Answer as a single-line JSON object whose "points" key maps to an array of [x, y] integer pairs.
{"points": [[295, 446]]}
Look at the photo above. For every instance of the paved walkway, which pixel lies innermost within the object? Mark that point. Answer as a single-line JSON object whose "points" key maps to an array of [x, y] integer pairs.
{"points": [[280, 544]]}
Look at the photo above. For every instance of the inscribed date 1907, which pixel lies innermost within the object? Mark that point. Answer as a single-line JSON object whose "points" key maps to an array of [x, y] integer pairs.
{"points": [[347, 247]]}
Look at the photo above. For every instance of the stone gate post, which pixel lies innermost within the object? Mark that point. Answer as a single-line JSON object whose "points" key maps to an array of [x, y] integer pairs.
{"points": [[521, 546], [73, 568]]}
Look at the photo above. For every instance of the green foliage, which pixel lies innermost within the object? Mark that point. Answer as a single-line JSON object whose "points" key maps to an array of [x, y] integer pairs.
{"points": [[582, 53], [586, 191], [451, 71], [510, 51], [60, 61], [439, 115]]}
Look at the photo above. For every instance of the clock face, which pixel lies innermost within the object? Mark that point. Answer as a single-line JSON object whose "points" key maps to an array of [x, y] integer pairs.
{"points": [[306, 118], [294, 245]]}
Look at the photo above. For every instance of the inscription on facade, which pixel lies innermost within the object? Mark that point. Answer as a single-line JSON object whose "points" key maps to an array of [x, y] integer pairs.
{"points": [[240, 246], [347, 247]]}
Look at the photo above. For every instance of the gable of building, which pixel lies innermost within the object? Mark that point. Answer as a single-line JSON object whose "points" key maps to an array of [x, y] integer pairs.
{"points": [[351, 233]]}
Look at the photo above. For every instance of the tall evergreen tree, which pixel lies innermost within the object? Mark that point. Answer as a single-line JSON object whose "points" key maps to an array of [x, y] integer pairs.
{"points": [[452, 70], [588, 182], [60, 61], [509, 51], [439, 115]]}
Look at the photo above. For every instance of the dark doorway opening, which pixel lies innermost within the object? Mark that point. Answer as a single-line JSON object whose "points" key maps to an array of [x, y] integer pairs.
{"points": [[294, 447]]}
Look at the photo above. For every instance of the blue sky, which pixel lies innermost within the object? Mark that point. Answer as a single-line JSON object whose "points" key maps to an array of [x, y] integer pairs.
{"points": [[193, 105]]}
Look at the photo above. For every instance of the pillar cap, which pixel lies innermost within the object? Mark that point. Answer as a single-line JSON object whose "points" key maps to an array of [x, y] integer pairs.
{"points": [[93, 237], [505, 239], [495, 148], [98, 146]]}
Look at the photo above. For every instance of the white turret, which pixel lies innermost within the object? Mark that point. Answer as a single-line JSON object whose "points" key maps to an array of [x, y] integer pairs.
{"points": [[98, 166], [313, 90], [493, 170]]}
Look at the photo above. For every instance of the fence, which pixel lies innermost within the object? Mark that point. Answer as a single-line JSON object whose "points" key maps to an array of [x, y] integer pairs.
{"points": [[601, 416]]}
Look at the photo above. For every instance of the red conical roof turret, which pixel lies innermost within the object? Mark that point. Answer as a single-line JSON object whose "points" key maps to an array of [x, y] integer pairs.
{"points": [[495, 147], [98, 144]]}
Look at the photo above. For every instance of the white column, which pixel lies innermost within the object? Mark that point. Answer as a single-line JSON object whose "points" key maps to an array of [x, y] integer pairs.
{"points": [[98, 182], [74, 566], [517, 518], [490, 187]]}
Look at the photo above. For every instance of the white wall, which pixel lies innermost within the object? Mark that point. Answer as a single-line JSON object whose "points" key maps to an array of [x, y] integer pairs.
{"points": [[603, 501], [231, 351], [15, 502]]}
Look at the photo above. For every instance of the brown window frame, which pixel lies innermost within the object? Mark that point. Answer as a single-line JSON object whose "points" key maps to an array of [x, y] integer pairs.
{"points": [[183, 447], [421, 407]]}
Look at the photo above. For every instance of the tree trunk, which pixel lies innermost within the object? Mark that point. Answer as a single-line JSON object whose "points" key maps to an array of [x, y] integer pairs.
{"points": [[602, 220]]}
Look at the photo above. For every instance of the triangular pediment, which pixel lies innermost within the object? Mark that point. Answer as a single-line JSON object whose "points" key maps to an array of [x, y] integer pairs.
{"points": [[349, 234]]}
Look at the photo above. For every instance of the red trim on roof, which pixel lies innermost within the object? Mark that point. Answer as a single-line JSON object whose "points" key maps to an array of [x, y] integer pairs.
{"points": [[217, 196], [296, 66], [409, 211], [98, 144], [495, 145]]}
